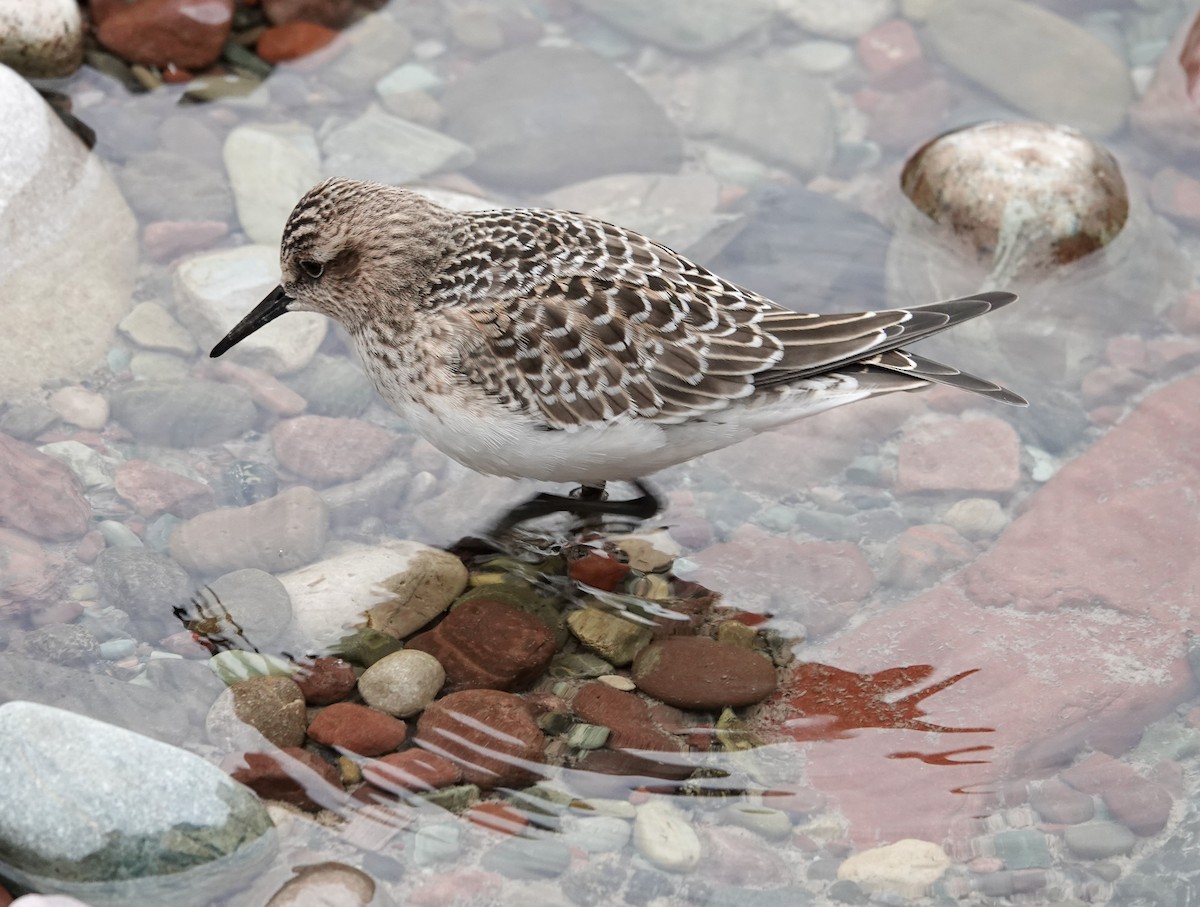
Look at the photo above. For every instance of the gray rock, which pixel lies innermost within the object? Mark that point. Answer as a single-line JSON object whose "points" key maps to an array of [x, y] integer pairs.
{"points": [[1016, 49], [842, 19], [377, 45], [543, 117], [150, 326], [436, 843], [215, 290], [686, 25], [378, 146], [114, 818], [769, 108], [57, 204], [250, 607], [184, 413], [270, 167], [333, 386], [1099, 840], [41, 40], [165, 186], [94, 471], [528, 858], [1022, 848], [147, 585], [1168, 873], [26, 422], [159, 367], [376, 493], [64, 644]]}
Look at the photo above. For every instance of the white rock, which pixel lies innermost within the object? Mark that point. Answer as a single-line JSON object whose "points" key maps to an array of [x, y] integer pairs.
{"points": [[907, 868], [42, 40], [379, 146], [215, 290], [333, 597], [151, 326], [80, 406], [597, 834], [822, 57], [663, 835], [406, 78], [842, 19], [402, 683], [57, 205], [270, 167]]}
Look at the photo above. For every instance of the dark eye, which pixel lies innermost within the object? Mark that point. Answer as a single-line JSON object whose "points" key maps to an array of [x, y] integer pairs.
{"points": [[313, 269]]}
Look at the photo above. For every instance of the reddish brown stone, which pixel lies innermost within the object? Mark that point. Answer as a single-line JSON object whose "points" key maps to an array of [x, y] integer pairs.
{"points": [[357, 728], [489, 733], [164, 240], [517, 652], [293, 40], [888, 48], [695, 672], [325, 680], [980, 456], [628, 717], [412, 770], [496, 816], [185, 33], [598, 571], [153, 490], [27, 571], [264, 388], [325, 449], [330, 13], [39, 494], [291, 775]]}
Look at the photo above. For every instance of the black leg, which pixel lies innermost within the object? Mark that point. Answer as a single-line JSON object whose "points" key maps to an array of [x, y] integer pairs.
{"points": [[589, 501]]}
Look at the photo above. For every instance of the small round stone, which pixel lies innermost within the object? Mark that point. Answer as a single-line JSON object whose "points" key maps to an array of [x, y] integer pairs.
{"points": [[663, 834], [402, 683], [694, 672]]}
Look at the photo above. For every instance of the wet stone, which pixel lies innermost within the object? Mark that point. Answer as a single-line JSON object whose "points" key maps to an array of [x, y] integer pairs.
{"points": [[270, 167], [1099, 840], [615, 639], [436, 843], [64, 644], [250, 607], [150, 326], [26, 421], [598, 834], [1022, 849], [694, 672], [973, 455], [326, 883], [324, 449], [291, 775], [976, 518], [184, 413], [357, 728], [325, 680], [528, 858], [412, 770], [333, 386], [147, 585], [44, 40], [160, 185], [378, 146], [684, 25], [184, 33], [907, 868], [273, 706], [80, 406], [234, 665], [491, 734], [663, 835], [40, 495], [154, 490], [1061, 804], [403, 683]]}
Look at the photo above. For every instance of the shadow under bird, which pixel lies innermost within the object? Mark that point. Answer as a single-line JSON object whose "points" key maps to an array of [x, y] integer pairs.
{"points": [[549, 345]]}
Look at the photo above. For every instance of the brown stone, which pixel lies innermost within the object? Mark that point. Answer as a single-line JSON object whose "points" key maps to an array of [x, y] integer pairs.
{"points": [[358, 729], [39, 494], [488, 644], [325, 449], [979, 456], [293, 40], [412, 770], [489, 733], [153, 490], [274, 706], [291, 775], [330, 13], [631, 723], [185, 33], [496, 816], [264, 388], [598, 571], [325, 680], [695, 672]]}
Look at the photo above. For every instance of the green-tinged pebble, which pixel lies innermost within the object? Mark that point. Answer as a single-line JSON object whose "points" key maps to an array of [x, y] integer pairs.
{"points": [[436, 843], [235, 665], [116, 649], [578, 666], [586, 736], [456, 799], [366, 646]]}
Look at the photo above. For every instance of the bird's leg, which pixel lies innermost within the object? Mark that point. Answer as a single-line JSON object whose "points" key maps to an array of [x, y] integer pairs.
{"points": [[586, 502]]}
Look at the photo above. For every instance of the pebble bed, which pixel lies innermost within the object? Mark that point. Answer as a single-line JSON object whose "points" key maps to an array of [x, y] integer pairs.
{"points": [[918, 650]]}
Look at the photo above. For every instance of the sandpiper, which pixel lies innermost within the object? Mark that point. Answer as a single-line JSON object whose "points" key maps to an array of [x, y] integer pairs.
{"points": [[549, 345]]}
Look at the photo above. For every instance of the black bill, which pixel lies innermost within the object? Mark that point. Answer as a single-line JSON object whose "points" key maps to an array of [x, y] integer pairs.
{"points": [[268, 310]]}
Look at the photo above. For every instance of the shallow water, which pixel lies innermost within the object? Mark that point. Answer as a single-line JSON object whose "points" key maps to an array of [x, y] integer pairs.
{"points": [[982, 616]]}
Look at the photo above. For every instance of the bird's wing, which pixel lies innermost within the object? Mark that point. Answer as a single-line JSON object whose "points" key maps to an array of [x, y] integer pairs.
{"points": [[585, 323]]}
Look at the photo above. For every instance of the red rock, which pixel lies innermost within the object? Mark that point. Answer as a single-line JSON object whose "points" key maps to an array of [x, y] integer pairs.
{"points": [[1167, 116], [889, 47], [264, 388], [457, 886], [325, 680], [631, 724], [1069, 627], [293, 40], [978, 456], [27, 571], [1128, 352], [412, 770], [517, 651], [90, 546], [598, 571], [185, 33], [496, 816], [330, 13], [164, 240], [920, 555], [695, 672], [357, 728], [1109, 384], [901, 119], [39, 494], [291, 775], [489, 733], [326, 449], [153, 490], [1143, 806]]}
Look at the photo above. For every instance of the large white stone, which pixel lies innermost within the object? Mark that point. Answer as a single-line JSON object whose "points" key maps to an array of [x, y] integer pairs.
{"points": [[270, 168], [907, 868], [42, 39], [663, 834], [216, 290], [70, 247]]}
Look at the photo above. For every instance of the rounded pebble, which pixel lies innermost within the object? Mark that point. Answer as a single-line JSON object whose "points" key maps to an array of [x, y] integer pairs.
{"points": [[402, 683], [663, 834]]}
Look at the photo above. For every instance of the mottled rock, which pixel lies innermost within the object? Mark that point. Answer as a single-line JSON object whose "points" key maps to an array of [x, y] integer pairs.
{"points": [[1015, 49], [357, 728], [28, 572], [154, 490], [327, 450], [133, 821], [907, 868], [614, 638], [597, 570], [491, 734], [518, 652], [64, 644], [530, 115], [249, 711], [264, 389], [325, 679], [291, 775], [402, 683], [412, 770], [632, 726], [145, 584], [981, 456], [43, 40], [40, 495], [277, 534], [695, 672], [378, 146], [184, 33], [184, 413], [920, 555], [250, 606], [1165, 116], [976, 518]]}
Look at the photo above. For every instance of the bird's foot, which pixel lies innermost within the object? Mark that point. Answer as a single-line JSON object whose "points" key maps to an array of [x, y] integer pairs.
{"points": [[590, 503]]}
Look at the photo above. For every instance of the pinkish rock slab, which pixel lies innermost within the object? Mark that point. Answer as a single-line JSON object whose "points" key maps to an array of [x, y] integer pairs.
{"points": [[153, 490], [325, 449], [978, 456], [39, 494], [1072, 626]]}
